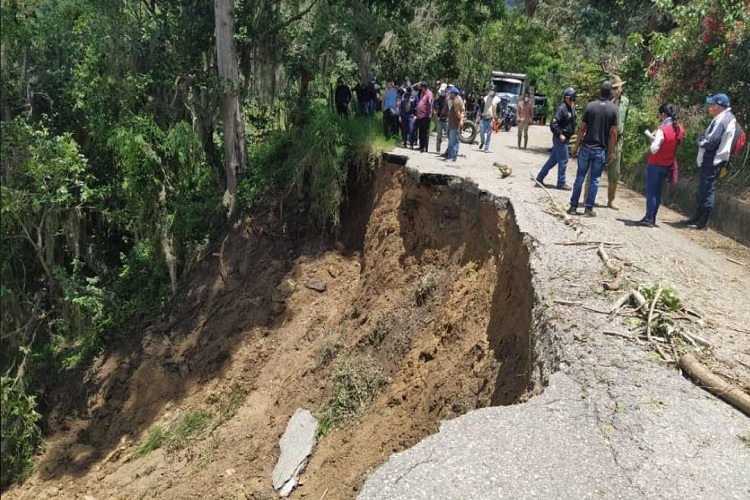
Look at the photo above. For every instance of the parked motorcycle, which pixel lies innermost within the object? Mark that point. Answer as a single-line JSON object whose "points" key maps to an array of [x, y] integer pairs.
{"points": [[509, 117]]}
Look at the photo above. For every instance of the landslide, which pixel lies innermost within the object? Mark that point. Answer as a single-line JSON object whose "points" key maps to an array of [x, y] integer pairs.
{"points": [[429, 280]]}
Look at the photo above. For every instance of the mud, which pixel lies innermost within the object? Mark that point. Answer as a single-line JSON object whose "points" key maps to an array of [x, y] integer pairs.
{"points": [[430, 278]]}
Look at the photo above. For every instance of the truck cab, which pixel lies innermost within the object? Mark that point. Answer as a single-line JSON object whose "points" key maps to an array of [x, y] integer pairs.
{"points": [[509, 86]]}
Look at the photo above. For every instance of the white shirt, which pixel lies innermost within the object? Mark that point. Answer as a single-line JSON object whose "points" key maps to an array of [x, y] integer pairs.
{"points": [[490, 106]]}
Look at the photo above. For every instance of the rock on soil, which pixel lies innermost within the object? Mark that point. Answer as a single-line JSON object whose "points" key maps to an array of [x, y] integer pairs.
{"points": [[316, 284], [296, 445]]}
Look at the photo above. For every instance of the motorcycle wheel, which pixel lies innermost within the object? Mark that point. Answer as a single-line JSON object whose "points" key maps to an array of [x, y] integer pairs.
{"points": [[468, 132], [506, 125]]}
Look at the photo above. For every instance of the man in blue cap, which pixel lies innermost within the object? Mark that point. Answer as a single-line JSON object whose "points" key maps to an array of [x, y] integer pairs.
{"points": [[714, 148]]}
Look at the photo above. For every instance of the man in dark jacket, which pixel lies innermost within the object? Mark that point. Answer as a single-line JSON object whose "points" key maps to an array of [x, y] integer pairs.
{"points": [[714, 149], [596, 142], [563, 126], [342, 98]]}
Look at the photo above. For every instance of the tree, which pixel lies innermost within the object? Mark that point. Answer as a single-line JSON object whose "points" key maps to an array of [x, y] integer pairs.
{"points": [[231, 111]]}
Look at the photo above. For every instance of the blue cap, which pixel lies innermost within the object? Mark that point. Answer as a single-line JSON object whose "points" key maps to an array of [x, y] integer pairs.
{"points": [[720, 99], [454, 89]]}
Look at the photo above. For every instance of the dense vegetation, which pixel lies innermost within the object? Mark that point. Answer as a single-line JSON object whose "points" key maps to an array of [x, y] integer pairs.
{"points": [[127, 138]]}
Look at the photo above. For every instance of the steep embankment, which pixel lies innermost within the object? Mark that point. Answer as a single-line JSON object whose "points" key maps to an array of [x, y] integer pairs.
{"points": [[427, 295]]}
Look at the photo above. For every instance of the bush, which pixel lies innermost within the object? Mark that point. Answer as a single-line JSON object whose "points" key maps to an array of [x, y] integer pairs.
{"points": [[21, 438]]}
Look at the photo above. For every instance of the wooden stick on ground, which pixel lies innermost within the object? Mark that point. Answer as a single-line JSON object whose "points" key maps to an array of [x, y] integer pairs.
{"points": [[735, 262], [714, 383], [587, 243], [650, 317]]}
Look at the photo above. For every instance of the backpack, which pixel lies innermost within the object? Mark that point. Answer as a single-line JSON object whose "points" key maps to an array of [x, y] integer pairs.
{"points": [[406, 104], [738, 142]]}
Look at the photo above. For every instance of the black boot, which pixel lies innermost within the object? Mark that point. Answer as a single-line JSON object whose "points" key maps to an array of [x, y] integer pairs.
{"points": [[702, 221], [695, 218]]}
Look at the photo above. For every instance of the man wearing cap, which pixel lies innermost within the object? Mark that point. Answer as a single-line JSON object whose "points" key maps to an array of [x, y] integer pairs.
{"points": [[713, 153], [525, 117], [489, 114], [595, 144], [613, 168], [424, 112], [455, 120], [563, 125]]}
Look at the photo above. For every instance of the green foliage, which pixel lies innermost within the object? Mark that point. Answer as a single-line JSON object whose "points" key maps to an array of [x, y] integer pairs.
{"points": [[21, 438], [356, 383], [177, 435], [426, 286], [669, 299], [154, 440]]}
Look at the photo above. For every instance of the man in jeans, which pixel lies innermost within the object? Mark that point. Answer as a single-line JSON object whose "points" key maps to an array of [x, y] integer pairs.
{"points": [[455, 120], [525, 117], [714, 148], [563, 125], [596, 142], [489, 114], [440, 112], [390, 112]]}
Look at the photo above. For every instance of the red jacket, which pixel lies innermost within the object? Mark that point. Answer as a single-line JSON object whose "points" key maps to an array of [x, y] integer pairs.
{"points": [[668, 149]]}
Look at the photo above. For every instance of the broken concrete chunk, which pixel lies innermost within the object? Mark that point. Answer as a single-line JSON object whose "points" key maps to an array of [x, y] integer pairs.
{"points": [[316, 284], [296, 445]]}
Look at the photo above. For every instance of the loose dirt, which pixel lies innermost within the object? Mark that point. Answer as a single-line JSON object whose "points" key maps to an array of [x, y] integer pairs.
{"points": [[429, 280]]}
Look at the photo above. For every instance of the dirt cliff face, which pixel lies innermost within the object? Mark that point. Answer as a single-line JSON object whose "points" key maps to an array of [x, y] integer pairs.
{"points": [[429, 282]]}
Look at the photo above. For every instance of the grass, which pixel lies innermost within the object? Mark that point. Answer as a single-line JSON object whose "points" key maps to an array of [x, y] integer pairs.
{"points": [[668, 301], [229, 406], [357, 382], [329, 352], [176, 436], [424, 289]]}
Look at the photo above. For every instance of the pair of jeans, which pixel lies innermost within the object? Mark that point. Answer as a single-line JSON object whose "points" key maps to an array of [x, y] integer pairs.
{"points": [[655, 176], [485, 133], [390, 123], [453, 144], [408, 130], [593, 159], [707, 176], [559, 156], [441, 128]]}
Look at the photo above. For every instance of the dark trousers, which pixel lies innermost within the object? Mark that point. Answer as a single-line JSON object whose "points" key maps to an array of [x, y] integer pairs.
{"points": [[423, 125], [343, 110], [390, 124], [707, 176]]}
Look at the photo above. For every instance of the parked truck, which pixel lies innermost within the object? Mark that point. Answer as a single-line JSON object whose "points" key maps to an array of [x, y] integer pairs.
{"points": [[509, 86]]}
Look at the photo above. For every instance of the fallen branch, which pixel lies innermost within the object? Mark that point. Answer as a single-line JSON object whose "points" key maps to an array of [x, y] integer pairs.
{"points": [[735, 262], [632, 338], [650, 317], [566, 302], [591, 243], [714, 383], [618, 305], [742, 362], [639, 299], [616, 283], [558, 211]]}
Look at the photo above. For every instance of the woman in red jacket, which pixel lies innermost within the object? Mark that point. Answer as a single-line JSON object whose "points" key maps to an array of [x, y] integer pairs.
{"points": [[661, 160]]}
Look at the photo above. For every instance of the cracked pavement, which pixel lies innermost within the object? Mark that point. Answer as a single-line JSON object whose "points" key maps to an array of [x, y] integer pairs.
{"points": [[613, 422]]}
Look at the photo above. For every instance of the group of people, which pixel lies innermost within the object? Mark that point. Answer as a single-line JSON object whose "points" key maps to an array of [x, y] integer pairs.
{"points": [[409, 110], [599, 144]]}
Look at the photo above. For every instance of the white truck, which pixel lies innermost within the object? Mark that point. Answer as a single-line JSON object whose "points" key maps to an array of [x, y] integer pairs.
{"points": [[509, 86]]}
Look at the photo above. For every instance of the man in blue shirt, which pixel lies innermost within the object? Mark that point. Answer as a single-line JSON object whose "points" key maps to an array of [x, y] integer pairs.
{"points": [[390, 111]]}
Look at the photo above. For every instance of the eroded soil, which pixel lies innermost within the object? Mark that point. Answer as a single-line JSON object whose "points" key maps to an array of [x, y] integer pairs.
{"points": [[429, 280]]}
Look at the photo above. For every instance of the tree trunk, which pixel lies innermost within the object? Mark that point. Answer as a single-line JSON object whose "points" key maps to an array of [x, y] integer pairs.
{"points": [[364, 58], [231, 111]]}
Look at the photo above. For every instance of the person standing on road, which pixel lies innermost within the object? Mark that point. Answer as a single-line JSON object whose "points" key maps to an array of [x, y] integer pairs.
{"points": [[390, 111], [407, 114], [424, 112], [525, 117], [440, 112], [562, 125], [489, 114], [661, 160], [455, 121], [714, 148], [595, 145], [613, 169]]}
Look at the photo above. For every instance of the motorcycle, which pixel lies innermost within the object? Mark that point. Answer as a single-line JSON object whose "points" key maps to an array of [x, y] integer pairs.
{"points": [[509, 117]]}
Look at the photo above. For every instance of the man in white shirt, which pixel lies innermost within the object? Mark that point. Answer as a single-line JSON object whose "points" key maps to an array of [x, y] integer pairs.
{"points": [[489, 114], [713, 153]]}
